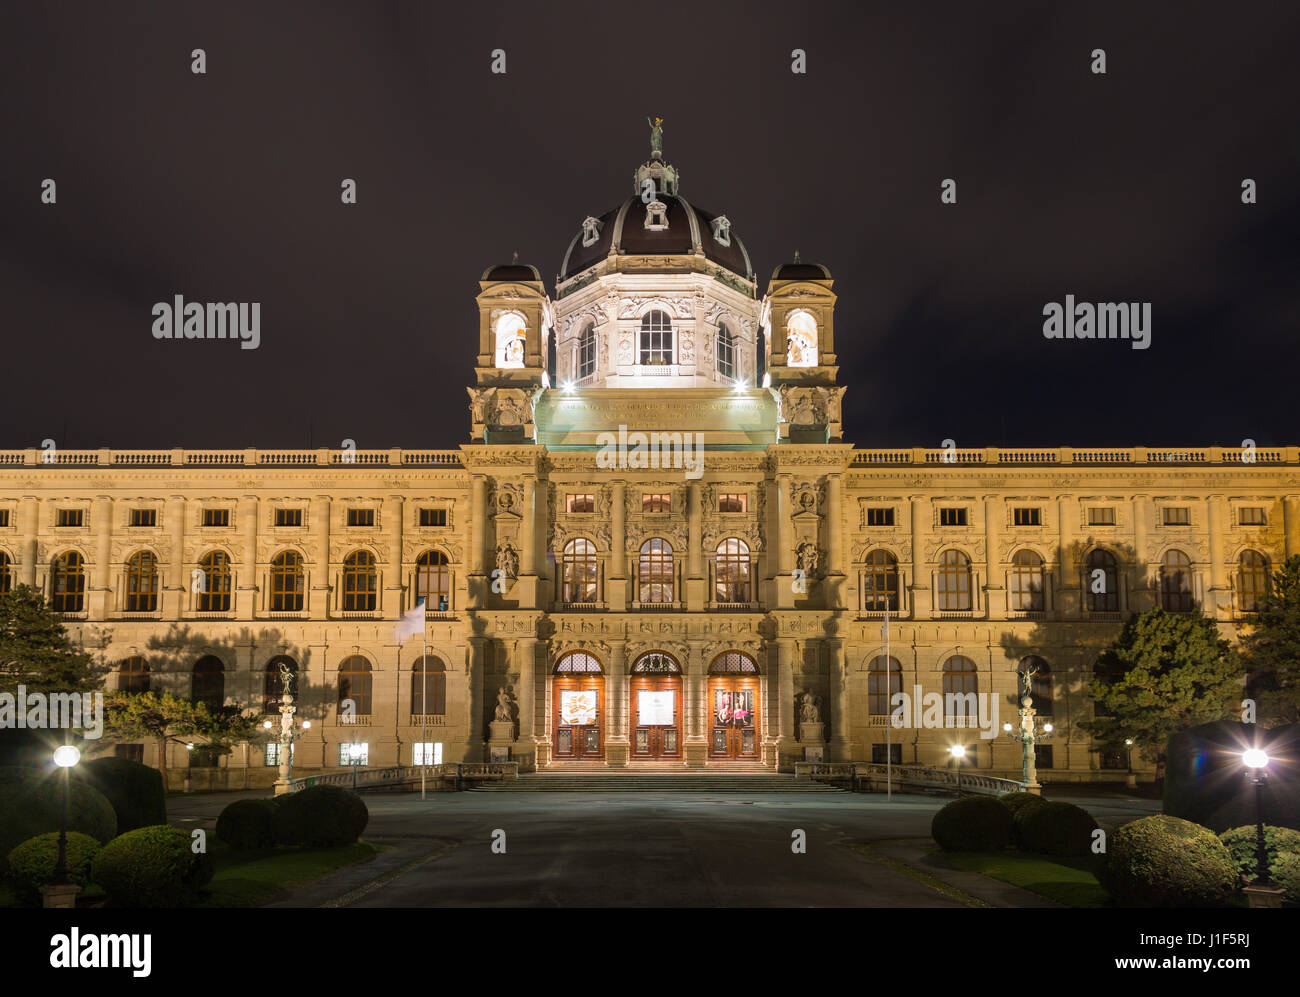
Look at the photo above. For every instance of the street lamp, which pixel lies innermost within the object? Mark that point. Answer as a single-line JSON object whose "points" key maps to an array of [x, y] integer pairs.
{"points": [[958, 752], [1132, 780], [1027, 734], [1256, 762], [66, 756]]}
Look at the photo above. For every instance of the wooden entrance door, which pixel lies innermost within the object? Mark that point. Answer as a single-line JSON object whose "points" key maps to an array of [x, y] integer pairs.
{"points": [[579, 717], [656, 716], [733, 716]]}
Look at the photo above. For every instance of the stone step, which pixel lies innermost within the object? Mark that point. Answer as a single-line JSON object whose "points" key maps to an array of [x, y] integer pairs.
{"points": [[655, 783]]}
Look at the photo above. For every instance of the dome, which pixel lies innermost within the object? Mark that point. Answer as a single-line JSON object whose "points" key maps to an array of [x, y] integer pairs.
{"points": [[622, 230], [798, 270], [511, 271]]}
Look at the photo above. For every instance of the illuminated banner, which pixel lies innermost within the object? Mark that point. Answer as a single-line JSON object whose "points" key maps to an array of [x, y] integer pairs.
{"points": [[578, 709], [656, 709]]}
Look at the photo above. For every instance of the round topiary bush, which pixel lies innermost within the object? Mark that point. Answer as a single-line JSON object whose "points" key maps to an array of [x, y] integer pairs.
{"points": [[1165, 861], [135, 791], [972, 824], [151, 867], [1015, 801], [1054, 828], [31, 864], [1286, 873], [320, 816], [1240, 842], [247, 824], [32, 807]]}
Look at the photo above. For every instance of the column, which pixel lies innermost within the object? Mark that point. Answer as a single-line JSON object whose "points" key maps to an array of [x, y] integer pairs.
{"points": [[1139, 600], [29, 528], [785, 696], [921, 597], [616, 582], [1219, 598], [528, 530], [995, 590], [694, 554], [835, 540], [526, 746], [322, 569], [478, 541], [1068, 602], [694, 691], [474, 731], [616, 740], [841, 746], [100, 601], [245, 596], [395, 571], [1291, 524], [176, 593]]}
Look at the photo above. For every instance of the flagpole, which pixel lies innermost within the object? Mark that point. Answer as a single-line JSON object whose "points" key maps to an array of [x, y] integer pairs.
{"points": [[889, 719], [424, 702]]}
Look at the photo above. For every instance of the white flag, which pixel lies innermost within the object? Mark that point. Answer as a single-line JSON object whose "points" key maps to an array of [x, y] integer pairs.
{"points": [[884, 631], [411, 623]]}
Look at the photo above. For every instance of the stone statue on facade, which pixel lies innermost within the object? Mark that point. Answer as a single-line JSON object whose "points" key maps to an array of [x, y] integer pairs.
{"points": [[808, 711], [656, 134], [807, 554], [507, 560], [503, 706]]}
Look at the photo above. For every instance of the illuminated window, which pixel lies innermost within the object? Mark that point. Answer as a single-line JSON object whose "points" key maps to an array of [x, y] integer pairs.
{"points": [[579, 567], [360, 582], [726, 353], [656, 338], [433, 581], [142, 583], [801, 335], [953, 582], [143, 517], [655, 571], [880, 582], [1027, 517], [510, 340], [427, 753], [215, 594], [1026, 582], [354, 753], [68, 583], [880, 516], [733, 502], [288, 517], [580, 503], [656, 502], [732, 571], [587, 352], [288, 582]]}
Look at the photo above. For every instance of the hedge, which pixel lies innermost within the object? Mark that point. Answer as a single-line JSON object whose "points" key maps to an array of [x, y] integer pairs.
{"points": [[151, 867], [247, 824], [972, 824], [320, 816], [30, 808], [135, 791], [32, 864], [1165, 861]]}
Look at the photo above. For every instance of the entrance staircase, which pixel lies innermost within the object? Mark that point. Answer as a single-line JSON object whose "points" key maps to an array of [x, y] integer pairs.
{"points": [[656, 782]]}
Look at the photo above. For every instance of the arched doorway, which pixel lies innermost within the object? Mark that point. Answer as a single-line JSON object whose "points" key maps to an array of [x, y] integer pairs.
{"points": [[656, 707], [734, 707], [578, 730]]}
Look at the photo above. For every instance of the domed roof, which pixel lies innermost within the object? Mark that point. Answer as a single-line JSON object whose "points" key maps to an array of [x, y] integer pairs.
{"points": [[623, 230], [799, 270], [511, 271]]}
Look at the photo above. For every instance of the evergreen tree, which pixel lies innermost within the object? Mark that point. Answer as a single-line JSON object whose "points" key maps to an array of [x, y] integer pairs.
{"points": [[1270, 643], [160, 717], [36, 651]]}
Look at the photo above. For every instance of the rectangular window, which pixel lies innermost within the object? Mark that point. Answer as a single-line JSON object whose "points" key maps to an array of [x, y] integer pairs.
{"points": [[1102, 515], [1114, 760], [656, 502], [952, 517], [1027, 516], [733, 502], [1043, 756], [288, 517], [1251, 515], [216, 517], [894, 751], [273, 753], [580, 503], [427, 753], [131, 752], [4, 517], [433, 517], [880, 516], [361, 517], [354, 753], [70, 517], [1177, 515], [144, 517]]}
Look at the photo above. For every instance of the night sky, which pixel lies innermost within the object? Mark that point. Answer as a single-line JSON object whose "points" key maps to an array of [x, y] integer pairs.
{"points": [[225, 187]]}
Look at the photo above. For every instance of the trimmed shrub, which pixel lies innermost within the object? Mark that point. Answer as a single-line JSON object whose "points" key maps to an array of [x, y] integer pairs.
{"points": [[1014, 801], [247, 824], [1240, 842], [29, 808], [972, 824], [135, 791], [320, 816], [151, 867], [32, 864], [1165, 861], [1054, 828], [1286, 873]]}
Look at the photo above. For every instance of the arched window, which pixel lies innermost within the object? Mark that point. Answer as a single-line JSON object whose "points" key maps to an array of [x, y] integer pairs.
{"points": [[801, 337], [578, 663], [1176, 582], [733, 663], [880, 582], [580, 568], [510, 340], [587, 352], [68, 583], [656, 338], [6, 573], [1040, 686], [273, 683], [960, 689], [355, 680], [287, 582], [656, 663], [726, 353], [1026, 582], [428, 687], [133, 675], [655, 571], [881, 688], [208, 684], [215, 595], [953, 582], [433, 581], [1253, 580], [360, 581], [142, 583], [1102, 582], [732, 571]]}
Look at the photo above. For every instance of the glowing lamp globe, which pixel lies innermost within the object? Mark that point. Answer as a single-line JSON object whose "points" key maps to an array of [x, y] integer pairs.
{"points": [[66, 756]]}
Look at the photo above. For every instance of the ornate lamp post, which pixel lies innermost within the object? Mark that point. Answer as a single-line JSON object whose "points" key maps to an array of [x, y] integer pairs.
{"points": [[287, 735], [1131, 780], [1263, 892], [958, 752], [63, 892], [1028, 733]]}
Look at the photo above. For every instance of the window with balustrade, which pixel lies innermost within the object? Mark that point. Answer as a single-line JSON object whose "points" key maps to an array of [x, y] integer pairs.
{"points": [[68, 583], [953, 583], [1252, 580], [214, 596], [1101, 582], [141, 583], [356, 681], [580, 569], [288, 582], [960, 692], [360, 582], [880, 582], [884, 681], [1026, 582], [428, 687], [732, 571], [655, 571], [656, 338], [1176, 582], [433, 581]]}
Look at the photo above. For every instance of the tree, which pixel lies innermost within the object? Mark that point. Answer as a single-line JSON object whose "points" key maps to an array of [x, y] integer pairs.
{"points": [[36, 651], [1165, 672], [160, 716], [1271, 648], [228, 726]]}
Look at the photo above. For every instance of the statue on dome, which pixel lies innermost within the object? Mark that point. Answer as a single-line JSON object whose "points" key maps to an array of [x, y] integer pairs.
{"points": [[656, 134]]}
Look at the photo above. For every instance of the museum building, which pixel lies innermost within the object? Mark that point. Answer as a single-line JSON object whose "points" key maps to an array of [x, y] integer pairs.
{"points": [[656, 549]]}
